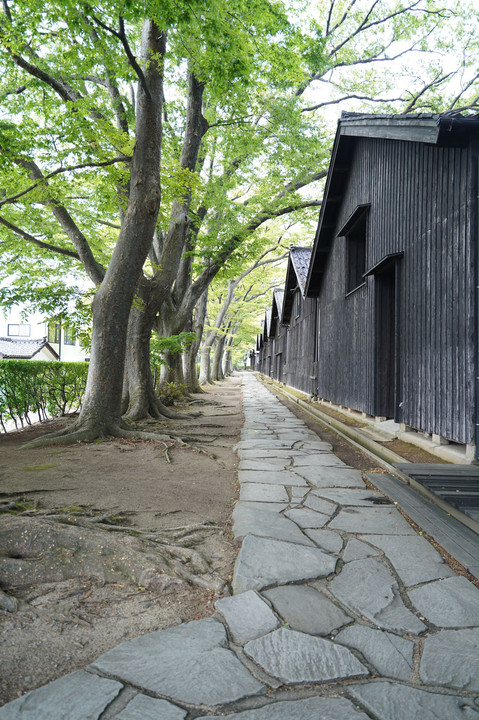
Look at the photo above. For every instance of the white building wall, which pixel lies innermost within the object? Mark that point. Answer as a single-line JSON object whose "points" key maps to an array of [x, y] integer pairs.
{"points": [[34, 327]]}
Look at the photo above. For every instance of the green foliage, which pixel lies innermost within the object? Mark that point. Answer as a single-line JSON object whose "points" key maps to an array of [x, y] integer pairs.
{"points": [[44, 388], [174, 344], [160, 345], [171, 393], [276, 73]]}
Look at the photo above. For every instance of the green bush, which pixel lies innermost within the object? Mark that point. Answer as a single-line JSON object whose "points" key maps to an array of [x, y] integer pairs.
{"points": [[171, 393], [47, 389]]}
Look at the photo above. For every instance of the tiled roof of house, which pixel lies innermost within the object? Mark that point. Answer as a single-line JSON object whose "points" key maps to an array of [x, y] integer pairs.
{"points": [[300, 258], [22, 349]]}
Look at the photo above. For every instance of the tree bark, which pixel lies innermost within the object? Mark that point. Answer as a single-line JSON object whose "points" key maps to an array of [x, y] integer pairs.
{"points": [[101, 409], [172, 371], [228, 366], [205, 365], [153, 293], [191, 356], [217, 369]]}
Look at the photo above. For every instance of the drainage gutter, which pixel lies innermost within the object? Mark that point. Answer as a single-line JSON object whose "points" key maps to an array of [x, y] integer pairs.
{"points": [[381, 455]]}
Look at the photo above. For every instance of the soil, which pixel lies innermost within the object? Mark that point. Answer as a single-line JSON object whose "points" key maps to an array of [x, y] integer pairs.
{"points": [[62, 626]]}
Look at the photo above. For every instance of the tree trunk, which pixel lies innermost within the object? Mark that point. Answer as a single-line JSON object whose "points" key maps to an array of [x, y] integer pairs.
{"points": [[168, 258], [172, 371], [228, 368], [205, 365], [217, 368], [191, 356], [101, 409], [190, 370], [140, 399]]}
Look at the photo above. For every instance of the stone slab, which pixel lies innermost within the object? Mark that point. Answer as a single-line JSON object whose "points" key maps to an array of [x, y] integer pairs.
{"points": [[453, 602], [264, 443], [263, 465], [249, 432], [306, 518], [85, 695], [160, 662], [351, 496], [392, 656], [427, 565], [298, 493], [265, 454], [368, 588], [326, 539], [294, 657], [262, 562], [306, 609], [267, 507], [323, 506], [357, 550], [302, 435], [311, 459], [329, 476], [264, 523], [314, 708], [271, 477], [143, 707], [259, 492], [451, 658], [311, 446], [247, 616], [388, 701], [378, 521]]}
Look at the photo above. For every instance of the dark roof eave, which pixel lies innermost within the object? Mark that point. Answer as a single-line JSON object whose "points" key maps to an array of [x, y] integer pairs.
{"points": [[445, 129]]}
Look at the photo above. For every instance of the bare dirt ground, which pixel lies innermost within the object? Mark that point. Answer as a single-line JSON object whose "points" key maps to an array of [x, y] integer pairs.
{"points": [[63, 625]]}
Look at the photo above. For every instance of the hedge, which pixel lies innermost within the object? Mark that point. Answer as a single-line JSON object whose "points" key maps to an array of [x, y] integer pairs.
{"points": [[42, 388]]}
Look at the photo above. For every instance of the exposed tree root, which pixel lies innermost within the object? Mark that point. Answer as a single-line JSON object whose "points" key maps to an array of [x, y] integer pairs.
{"points": [[153, 408], [68, 436], [51, 546]]}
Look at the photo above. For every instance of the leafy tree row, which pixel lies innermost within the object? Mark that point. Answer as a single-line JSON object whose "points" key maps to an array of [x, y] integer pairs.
{"points": [[148, 147]]}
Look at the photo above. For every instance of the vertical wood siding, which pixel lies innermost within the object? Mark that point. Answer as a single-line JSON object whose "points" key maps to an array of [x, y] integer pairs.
{"points": [[420, 198], [300, 356]]}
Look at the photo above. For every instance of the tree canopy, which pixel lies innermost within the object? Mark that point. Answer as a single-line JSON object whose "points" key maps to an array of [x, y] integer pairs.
{"points": [[217, 127]]}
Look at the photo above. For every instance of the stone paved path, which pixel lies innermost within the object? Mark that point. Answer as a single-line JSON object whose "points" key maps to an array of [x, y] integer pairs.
{"points": [[341, 611]]}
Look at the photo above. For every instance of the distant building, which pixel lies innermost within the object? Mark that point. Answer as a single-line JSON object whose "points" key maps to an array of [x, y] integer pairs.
{"points": [[32, 331], [382, 315], [15, 349]]}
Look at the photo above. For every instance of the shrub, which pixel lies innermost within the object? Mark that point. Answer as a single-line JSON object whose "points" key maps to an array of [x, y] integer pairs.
{"points": [[172, 392], [48, 389]]}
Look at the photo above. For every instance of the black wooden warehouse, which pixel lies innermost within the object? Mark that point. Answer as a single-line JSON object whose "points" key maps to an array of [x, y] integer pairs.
{"points": [[389, 320]]}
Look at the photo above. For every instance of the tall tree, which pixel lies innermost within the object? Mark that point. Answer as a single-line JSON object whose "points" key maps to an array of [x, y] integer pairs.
{"points": [[80, 171], [67, 72]]}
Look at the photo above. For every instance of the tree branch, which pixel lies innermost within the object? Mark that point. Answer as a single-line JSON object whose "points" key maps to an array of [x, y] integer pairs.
{"points": [[69, 168], [36, 241], [121, 35], [351, 97], [465, 89], [438, 80], [92, 267]]}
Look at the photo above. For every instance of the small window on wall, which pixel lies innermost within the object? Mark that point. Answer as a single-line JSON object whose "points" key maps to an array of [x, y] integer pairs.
{"points": [[54, 333], [17, 330], [355, 233], [68, 337]]}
